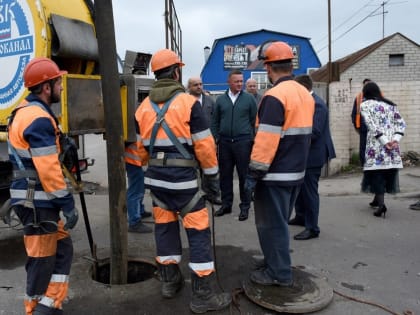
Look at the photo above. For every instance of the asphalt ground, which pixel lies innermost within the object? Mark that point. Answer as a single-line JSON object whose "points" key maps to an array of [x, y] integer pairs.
{"points": [[367, 258]]}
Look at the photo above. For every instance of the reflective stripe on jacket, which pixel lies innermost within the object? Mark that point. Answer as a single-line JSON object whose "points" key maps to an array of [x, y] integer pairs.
{"points": [[283, 137], [35, 136], [187, 122], [132, 153]]}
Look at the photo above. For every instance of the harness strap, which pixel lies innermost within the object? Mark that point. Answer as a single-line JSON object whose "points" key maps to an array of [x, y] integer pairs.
{"points": [[188, 207], [160, 122], [173, 163], [19, 174], [185, 210], [31, 175]]}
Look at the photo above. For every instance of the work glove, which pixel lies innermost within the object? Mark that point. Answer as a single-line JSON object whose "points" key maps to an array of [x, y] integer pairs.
{"points": [[251, 181], [249, 186], [72, 217], [211, 187]]}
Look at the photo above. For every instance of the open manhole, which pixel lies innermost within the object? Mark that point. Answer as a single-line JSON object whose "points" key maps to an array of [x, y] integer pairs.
{"points": [[137, 271]]}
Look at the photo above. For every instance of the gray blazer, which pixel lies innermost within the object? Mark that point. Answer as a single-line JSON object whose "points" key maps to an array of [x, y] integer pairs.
{"points": [[208, 105]]}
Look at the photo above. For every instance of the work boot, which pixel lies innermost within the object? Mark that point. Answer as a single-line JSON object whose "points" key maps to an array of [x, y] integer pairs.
{"points": [[172, 280], [204, 298]]}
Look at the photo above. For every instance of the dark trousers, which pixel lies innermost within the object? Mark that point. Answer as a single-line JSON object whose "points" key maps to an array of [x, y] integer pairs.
{"points": [[273, 206], [307, 202], [231, 154], [362, 146]]}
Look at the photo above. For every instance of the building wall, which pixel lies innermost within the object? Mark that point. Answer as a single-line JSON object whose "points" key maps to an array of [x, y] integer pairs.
{"points": [[214, 74], [406, 94], [376, 65]]}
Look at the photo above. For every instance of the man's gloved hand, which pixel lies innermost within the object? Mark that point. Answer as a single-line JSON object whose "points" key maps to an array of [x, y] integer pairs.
{"points": [[72, 217], [249, 186], [211, 187]]}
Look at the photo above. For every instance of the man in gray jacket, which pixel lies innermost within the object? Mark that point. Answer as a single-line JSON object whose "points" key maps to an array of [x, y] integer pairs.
{"points": [[233, 126], [195, 88]]}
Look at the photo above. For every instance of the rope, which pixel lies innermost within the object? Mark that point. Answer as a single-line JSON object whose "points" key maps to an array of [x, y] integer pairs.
{"points": [[235, 292], [407, 312]]}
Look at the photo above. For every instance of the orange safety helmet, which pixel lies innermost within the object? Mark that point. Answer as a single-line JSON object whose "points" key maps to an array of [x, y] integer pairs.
{"points": [[165, 58], [39, 70], [275, 51]]}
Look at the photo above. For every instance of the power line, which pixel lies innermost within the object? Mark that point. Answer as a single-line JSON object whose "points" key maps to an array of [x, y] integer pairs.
{"points": [[348, 19], [357, 24]]}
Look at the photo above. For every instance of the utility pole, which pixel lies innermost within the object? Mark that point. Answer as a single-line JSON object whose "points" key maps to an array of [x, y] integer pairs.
{"points": [[383, 18], [105, 32], [329, 46]]}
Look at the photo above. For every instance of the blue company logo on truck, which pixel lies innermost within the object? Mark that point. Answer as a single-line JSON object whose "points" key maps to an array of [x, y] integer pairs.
{"points": [[16, 49]]}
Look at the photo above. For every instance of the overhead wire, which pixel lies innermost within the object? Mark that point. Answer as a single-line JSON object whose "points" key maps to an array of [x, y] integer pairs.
{"points": [[357, 24], [345, 21]]}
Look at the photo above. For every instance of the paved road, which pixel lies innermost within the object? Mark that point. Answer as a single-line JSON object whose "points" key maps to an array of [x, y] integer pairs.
{"points": [[365, 257]]}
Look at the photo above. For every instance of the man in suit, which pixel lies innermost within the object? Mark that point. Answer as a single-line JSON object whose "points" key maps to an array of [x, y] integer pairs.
{"points": [[251, 86], [321, 150], [195, 88]]}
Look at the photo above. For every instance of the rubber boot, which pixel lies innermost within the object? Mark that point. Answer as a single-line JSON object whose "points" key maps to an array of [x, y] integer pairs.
{"points": [[172, 280], [204, 298]]}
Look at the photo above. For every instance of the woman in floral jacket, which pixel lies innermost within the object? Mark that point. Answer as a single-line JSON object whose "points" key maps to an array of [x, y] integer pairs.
{"points": [[382, 156]]}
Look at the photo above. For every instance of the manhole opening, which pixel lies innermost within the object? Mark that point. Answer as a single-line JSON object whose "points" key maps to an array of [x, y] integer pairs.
{"points": [[137, 271]]}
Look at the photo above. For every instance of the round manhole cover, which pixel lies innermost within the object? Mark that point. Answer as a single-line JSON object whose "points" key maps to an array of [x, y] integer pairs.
{"points": [[308, 294]]}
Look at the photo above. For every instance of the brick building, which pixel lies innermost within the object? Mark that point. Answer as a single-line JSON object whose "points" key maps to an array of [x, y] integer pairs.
{"points": [[394, 64]]}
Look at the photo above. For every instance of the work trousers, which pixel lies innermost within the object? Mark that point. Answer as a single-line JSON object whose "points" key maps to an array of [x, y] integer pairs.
{"points": [[236, 153], [307, 202], [135, 193], [196, 224], [273, 206], [50, 253]]}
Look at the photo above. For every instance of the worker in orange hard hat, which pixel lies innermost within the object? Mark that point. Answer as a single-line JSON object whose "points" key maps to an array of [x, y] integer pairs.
{"points": [[176, 141], [278, 162], [38, 190]]}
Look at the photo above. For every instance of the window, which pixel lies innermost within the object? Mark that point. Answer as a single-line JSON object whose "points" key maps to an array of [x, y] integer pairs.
{"points": [[261, 78], [396, 60]]}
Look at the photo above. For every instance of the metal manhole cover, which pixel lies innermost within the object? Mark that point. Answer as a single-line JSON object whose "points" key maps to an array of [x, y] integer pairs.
{"points": [[308, 294]]}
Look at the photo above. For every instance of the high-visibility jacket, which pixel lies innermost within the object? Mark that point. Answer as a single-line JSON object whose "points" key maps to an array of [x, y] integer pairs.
{"points": [[358, 101], [132, 154], [34, 134], [281, 146], [188, 123]]}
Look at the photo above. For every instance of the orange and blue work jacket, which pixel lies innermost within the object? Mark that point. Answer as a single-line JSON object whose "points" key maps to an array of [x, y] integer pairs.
{"points": [[356, 116], [132, 154], [281, 146], [34, 134], [187, 122]]}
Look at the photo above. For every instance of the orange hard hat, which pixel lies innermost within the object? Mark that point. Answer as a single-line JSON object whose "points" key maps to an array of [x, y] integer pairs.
{"points": [[276, 51], [39, 70], [164, 58]]}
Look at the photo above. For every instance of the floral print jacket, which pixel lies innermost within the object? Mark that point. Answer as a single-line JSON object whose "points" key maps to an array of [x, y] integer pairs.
{"points": [[385, 125]]}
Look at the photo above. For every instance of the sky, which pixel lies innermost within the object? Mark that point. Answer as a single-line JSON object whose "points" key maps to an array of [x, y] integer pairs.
{"points": [[140, 26]]}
